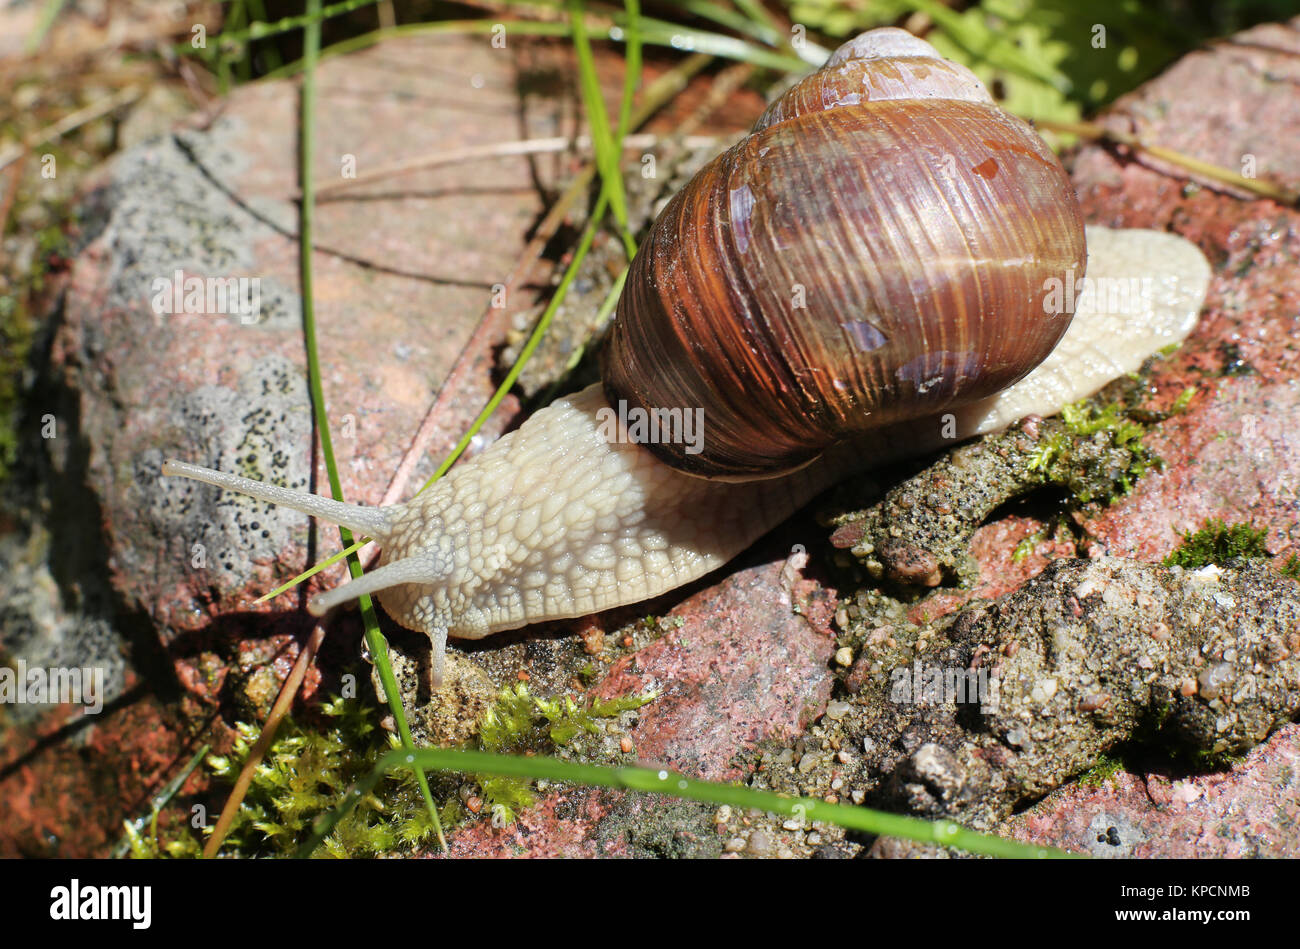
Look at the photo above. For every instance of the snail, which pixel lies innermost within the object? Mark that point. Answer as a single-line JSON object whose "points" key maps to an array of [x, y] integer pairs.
{"points": [[886, 264]]}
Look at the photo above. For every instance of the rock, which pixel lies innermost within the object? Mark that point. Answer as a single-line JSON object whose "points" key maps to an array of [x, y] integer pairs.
{"points": [[1232, 454], [740, 669], [1248, 810], [1235, 454], [453, 715]]}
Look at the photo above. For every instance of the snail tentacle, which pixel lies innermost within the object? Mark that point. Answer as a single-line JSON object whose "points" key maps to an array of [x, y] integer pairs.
{"points": [[371, 521], [423, 569]]}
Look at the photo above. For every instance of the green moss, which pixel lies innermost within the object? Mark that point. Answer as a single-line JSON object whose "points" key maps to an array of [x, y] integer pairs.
{"points": [[520, 723], [305, 773], [1183, 401], [1087, 418], [654, 623], [1099, 454], [1056, 529], [1103, 772], [158, 842], [1028, 545], [1205, 760], [1217, 543], [1292, 567]]}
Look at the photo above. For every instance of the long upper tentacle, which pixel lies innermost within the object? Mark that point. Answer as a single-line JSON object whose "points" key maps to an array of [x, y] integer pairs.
{"points": [[371, 521]]}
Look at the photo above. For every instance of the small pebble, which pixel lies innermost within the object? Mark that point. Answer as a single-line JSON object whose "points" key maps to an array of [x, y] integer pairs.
{"points": [[593, 639], [1093, 701], [1212, 681], [723, 815], [1043, 691], [844, 656], [837, 709]]}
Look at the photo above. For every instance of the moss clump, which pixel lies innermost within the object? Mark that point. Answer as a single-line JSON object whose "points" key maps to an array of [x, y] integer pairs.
{"points": [[1098, 455], [1183, 401], [1102, 773], [520, 723], [152, 846], [1208, 761], [1058, 530], [1028, 545], [306, 772], [1217, 543]]}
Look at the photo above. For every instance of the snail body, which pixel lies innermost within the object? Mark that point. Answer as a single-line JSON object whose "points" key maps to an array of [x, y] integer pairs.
{"points": [[836, 292]]}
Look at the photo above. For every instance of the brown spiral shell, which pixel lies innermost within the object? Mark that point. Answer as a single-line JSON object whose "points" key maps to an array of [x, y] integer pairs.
{"points": [[877, 249]]}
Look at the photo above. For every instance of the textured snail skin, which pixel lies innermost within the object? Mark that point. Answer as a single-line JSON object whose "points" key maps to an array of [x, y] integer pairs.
{"points": [[554, 520]]}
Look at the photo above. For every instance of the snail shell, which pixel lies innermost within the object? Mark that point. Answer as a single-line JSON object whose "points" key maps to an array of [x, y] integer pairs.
{"points": [[879, 248]]}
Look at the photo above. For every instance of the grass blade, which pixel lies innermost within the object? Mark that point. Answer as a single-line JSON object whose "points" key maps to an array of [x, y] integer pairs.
{"points": [[602, 138], [658, 781], [312, 571], [374, 638], [49, 13]]}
